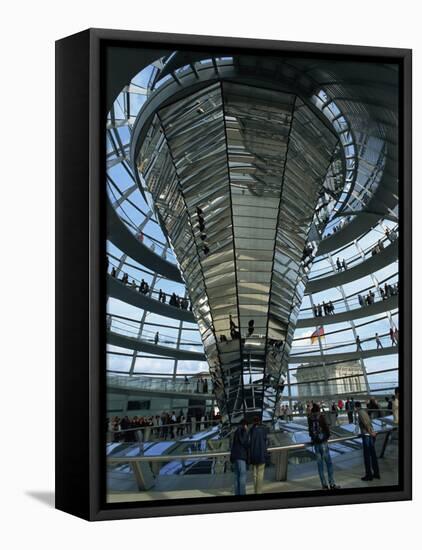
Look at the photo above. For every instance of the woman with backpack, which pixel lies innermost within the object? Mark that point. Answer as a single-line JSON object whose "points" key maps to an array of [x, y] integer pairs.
{"points": [[319, 433]]}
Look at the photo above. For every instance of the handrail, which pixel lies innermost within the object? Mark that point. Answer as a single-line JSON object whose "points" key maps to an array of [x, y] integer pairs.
{"points": [[353, 260], [337, 345], [386, 257], [217, 422], [159, 384], [150, 291], [301, 350], [342, 304], [216, 454], [160, 426], [163, 338]]}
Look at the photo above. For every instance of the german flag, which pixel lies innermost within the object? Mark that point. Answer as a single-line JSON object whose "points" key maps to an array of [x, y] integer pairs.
{"points": [[318, 332]]}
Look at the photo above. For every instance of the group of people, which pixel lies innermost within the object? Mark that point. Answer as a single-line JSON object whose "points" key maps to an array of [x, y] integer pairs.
{"points": [[326, 308], [124, 429], [319, 433], [377, 248], [394, 338], [175, 300], [235, 332], [372, 406], [201, 227], [286, 413], [375, 411], [143, 287], [201, 384], [309, 254], [341, 265], [389, 290], [338, 226], [167, 425], [391, 234], [341, 224], [249, 446], [275, 345], [366, 300], [385, 292]]}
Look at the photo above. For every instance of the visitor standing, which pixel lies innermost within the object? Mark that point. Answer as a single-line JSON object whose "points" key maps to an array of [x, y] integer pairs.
{"points": [[368, 444], [239, 457], [395, 406], [258, 442], [319, 433]]}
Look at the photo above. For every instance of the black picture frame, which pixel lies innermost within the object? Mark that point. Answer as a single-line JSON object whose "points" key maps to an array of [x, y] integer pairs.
{"points": [[86, 81]]}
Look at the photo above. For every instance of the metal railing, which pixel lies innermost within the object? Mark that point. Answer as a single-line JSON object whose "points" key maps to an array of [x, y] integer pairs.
{"points": [[353, 260], [279, 456], [159, 384], [192, 427], [154, 432], [347, 305]]}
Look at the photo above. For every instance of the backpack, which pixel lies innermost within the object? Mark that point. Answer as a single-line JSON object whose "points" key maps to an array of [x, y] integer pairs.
{"points": [[316, 433]]}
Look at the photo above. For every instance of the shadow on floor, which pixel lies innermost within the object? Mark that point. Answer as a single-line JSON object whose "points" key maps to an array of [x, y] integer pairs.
{"points": [[45, 497]]}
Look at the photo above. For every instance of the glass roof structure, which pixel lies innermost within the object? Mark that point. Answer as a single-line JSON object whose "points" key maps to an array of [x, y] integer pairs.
{"points": [[292, 167]]}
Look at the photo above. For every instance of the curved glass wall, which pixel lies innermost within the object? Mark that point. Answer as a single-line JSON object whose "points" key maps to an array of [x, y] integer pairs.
{"points": [[365, 158]]}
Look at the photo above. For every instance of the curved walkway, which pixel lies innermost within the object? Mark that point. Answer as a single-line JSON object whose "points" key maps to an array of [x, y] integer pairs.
{"points": [[120, 291], [136, 386], [352, 230], [128, 342], [121, 341], [381, 204], [121, 237], [356, 313], [349, 356], [387, 256]]}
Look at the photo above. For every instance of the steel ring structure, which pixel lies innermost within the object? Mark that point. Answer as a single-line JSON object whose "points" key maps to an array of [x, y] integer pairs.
{"points": [[263, 192]]}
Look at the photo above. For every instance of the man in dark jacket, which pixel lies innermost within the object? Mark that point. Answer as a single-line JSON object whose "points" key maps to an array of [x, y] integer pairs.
{"points": [[239, 457], [124, 426], [258, 442], [319, 433]]}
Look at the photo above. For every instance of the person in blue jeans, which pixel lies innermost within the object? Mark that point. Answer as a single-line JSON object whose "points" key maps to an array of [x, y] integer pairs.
{"points": [[239, 457], [319, 433], [368, 444]]}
